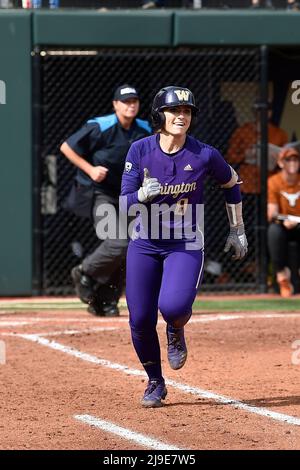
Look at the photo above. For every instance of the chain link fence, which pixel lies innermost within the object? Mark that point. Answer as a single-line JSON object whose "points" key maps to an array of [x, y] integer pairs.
{"points": [[77, 85]]}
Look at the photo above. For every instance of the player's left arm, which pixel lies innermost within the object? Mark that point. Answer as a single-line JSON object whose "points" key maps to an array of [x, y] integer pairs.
{"points": [[229, 181]]}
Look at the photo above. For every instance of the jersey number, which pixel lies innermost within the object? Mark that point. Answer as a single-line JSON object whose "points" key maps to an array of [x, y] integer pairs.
{"points": [[181, 206]]}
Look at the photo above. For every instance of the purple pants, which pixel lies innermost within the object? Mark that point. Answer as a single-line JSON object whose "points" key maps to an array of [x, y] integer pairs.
{"points": [[164, 279]]}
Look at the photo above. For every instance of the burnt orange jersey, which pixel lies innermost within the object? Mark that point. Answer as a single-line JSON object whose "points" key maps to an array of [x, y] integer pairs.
{"points": [[285, 195], [247, 135], [244, 138]]}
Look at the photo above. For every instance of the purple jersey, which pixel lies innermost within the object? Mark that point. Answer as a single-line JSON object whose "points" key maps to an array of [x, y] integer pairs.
{"points": [[181, 175]]}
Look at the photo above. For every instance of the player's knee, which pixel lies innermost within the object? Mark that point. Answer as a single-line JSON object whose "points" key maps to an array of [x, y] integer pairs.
{"points": [[175, 314], [180, 322]]}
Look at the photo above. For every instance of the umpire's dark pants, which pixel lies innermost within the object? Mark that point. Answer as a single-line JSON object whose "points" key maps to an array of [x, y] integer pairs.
{"points": [[105, 262], [278, 240]]}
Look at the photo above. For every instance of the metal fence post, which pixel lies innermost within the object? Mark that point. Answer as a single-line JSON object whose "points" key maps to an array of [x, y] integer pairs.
{"points": [[263, 222], [36, 173]]}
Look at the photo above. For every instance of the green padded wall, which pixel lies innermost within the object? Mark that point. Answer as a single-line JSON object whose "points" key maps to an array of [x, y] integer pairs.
{"points": [[15, 154], [111, 28], [236, 27]]}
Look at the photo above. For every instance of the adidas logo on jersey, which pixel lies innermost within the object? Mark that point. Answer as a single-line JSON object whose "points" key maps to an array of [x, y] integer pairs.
{"points": [[188, 168]]}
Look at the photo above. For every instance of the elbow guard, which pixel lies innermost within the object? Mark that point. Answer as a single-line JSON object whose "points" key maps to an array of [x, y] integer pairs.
{"points": [[233, 180]]}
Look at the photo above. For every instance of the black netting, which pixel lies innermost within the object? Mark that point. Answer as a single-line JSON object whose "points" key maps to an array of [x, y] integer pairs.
{"points": [[77, 87]]}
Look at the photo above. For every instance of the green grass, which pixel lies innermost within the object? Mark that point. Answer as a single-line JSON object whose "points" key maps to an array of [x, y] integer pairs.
{"points": [[214, 305], [40, 306], [240, 305]]}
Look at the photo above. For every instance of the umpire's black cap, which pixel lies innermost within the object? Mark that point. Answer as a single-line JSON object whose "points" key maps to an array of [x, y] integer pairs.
{"points": [[125, 92]]}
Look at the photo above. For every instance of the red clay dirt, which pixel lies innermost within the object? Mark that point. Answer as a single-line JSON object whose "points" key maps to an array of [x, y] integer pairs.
{"points": [[248, 359]]}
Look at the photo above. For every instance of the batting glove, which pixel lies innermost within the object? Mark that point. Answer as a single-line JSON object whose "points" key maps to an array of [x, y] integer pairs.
{"points": [[238, 241], [149, 189]]}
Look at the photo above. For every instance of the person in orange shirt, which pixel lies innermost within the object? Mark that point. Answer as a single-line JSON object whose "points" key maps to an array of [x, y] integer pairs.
{"points": [[284, 199], [243, 152]]}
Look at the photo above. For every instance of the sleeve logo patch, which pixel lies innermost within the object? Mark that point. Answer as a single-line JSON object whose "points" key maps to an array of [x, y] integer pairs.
{"points": [[128, 167]]}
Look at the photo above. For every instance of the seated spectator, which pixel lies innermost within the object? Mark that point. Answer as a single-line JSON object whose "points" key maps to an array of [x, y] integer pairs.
{"points": [[284, 200], [262, 4], [6, 4], [244, 153], [293, 5], [147, 4], [290, 5]]}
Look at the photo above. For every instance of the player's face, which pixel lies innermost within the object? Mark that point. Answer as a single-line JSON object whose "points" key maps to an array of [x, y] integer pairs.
{"points": [[177, 120], [127, 109], [291, 164]]}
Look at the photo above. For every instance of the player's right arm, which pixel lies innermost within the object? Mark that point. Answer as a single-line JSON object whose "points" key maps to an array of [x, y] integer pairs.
{"points": [[133, 188], [131, 180]]}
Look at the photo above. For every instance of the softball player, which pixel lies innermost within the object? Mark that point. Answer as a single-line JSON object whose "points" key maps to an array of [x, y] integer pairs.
{"points": [[167, 171]]}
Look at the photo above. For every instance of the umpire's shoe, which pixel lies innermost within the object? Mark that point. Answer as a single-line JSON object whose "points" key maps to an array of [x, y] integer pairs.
{"points": [[177, 351], [103, 309], [154, 393], [83, 284]]}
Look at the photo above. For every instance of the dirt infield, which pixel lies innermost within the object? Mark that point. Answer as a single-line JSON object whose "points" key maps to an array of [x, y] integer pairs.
{"points": [[66, 370]]}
